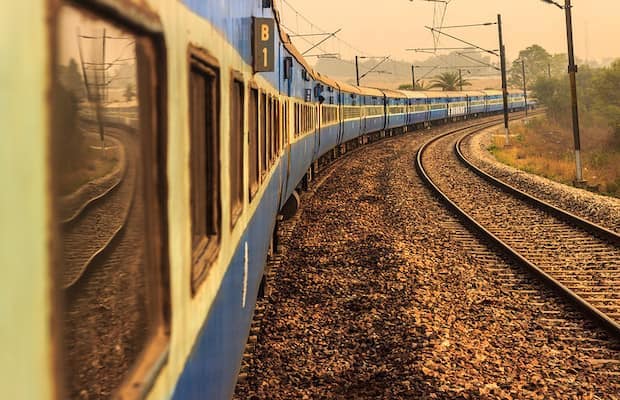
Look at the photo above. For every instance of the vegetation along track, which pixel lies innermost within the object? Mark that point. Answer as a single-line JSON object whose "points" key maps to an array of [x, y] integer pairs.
{"points": [[578, 258], [377, 291]]}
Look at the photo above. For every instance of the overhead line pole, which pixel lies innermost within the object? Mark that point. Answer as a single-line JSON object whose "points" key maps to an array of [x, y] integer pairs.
{"points": [[572, 71], [524, 85], [413, 77], [357, 72], [504, 80]]}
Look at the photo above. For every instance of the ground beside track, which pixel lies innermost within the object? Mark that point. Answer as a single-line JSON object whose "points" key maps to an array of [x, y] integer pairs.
{"points": [[602, 210], [375, 299]]}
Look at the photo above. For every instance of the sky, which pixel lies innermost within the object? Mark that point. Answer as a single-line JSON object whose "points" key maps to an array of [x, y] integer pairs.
{"points": [[388, 27]]}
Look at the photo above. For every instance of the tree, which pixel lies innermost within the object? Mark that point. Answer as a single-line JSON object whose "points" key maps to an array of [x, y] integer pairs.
{"points": [[537, 61], [130, 91], [559, 64], [71, 77], [607, 100], [599, 97], [448, 81]]}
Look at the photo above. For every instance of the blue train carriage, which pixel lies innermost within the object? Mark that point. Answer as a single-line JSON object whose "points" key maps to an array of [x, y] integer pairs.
{"points": [[277, 110], [301, 91], [350, 98], [475, 103], [329, 127], [417, 108], [457, 105], [373, 110], [438, 106], [186, 157], [516, 100], [494, 101], [395, 110]]}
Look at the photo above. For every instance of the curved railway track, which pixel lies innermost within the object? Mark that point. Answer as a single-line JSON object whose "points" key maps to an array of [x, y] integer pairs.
{"points": [[92, 230], [577, 258], [538, 344]]}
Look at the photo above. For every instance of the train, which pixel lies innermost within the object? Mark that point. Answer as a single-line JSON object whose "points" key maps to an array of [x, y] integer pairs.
{"points": [[148, 151]]}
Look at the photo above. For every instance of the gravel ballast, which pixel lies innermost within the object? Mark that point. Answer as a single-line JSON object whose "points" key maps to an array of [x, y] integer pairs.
{"points": [[376, 298]]}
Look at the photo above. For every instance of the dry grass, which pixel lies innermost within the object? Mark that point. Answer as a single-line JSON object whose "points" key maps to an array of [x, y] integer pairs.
{"points": [[545, 148]]}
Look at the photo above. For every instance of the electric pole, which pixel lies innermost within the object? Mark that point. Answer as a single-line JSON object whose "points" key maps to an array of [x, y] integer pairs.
{"points": [[524, 86], [502, 54], [413, 77], [357, 72], [572, 71]]}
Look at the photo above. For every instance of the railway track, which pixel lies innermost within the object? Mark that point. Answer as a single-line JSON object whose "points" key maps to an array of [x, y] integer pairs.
{"points": [[363, 260], [96, 224], [577, 258]]}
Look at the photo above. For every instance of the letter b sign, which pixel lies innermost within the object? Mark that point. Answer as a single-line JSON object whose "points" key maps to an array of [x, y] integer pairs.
{"points": [[263, 53]]}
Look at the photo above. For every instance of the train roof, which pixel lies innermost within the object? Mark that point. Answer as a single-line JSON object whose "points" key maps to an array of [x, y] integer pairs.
{"points": [[474, 93], [345, 87], [393, 94], [327, 80], [433, 94], [492, 92], [368, 91], [414, 94]]}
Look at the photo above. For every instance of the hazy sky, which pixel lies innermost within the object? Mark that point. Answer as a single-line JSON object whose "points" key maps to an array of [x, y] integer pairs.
{"points": [[387, 27]]}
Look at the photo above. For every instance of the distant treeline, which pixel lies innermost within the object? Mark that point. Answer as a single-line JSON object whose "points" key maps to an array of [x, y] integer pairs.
{"points": [[598, 92]]}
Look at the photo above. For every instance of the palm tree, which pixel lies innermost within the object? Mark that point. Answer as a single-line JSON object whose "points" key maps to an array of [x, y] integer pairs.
{"points": [[448, 81]]}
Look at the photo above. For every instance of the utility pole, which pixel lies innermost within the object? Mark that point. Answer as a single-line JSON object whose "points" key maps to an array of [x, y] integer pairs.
{"points": [[502, 54], [572, 71], [357, 72], [413, 77], [524, 86], [461, 79]]}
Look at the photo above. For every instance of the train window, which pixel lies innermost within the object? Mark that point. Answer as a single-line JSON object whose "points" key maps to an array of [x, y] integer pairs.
{"points": [[253, 140], [107, 169], [263, 134], [236, 149], [278, 130], [268, 134], [270, 130], [284, 124], [297, 128], [204, 165], [273, 131]]}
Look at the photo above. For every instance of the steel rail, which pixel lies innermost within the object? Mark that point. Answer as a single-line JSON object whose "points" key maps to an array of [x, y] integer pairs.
{"points": [[592, 227], [596, 315]]}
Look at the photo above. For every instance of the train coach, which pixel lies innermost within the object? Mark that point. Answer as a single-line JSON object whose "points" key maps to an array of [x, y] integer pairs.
{"points": [[147, 150]]}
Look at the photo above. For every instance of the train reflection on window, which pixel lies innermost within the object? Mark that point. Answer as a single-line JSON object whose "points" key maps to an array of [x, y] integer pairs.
{"points": [[107, 217]]}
